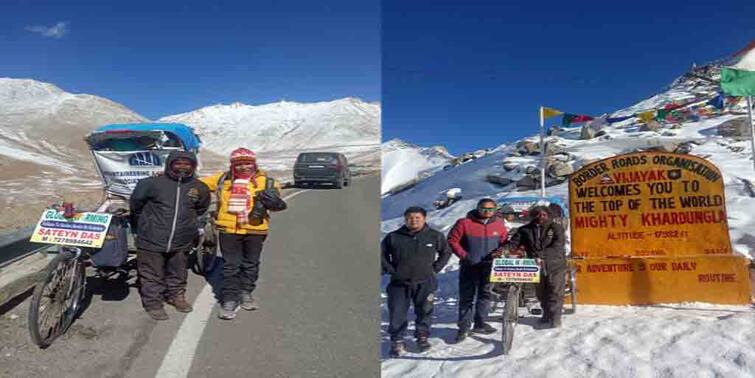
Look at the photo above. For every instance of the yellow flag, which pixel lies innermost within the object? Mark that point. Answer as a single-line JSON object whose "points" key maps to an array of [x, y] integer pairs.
{"points": [[647, 116], [549, 112]]}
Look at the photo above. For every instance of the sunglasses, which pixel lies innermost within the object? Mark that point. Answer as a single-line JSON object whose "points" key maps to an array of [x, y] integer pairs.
{"points": [[487, 209]]}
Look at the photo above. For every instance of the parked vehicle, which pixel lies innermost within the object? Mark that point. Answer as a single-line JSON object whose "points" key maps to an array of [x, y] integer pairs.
{"points": [[322, 168]]}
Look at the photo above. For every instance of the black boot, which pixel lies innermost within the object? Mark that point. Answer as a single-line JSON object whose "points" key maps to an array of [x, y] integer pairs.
{"points": [[397, 349], [423, 344], [484, 328], [556, 322], [461, 335]]}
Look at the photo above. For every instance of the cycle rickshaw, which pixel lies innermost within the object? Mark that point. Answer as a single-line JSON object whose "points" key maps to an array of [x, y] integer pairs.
{"points": [[516, 210], [123, 154]]}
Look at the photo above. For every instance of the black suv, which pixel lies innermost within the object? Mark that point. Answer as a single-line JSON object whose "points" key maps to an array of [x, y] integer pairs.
{"points": [[322, 167]]}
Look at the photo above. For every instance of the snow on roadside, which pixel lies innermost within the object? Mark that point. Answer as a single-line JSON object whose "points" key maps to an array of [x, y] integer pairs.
{"points": [[675, 340]]}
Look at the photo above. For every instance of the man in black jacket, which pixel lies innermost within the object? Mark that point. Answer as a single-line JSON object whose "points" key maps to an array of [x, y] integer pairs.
{"points": [[412, 255], [544, 239], [165, 210]]}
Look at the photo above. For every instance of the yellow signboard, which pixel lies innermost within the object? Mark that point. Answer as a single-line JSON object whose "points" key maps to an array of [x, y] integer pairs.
{"points": [[640, 281], [648, 204]]}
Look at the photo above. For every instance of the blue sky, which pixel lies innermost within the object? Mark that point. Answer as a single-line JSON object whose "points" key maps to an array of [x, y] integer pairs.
{"points": [[168, 57], [471, 74]]}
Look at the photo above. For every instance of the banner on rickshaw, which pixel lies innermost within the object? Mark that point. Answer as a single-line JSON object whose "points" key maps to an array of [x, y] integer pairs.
{"points": [[122, 170], [515, 270], [83, 230], [648, 204]]}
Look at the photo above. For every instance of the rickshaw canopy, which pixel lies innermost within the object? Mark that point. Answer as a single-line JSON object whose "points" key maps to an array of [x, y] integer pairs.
{"points": [[128, 152], [184, 134]]}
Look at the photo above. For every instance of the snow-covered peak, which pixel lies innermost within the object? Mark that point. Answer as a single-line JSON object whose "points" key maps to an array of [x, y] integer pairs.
{"points": [[396, 144], [285, 125], [399, 144], [42, 128], [31, 99], [441, 150], [404, 162], [21, 90], [698, 81]]}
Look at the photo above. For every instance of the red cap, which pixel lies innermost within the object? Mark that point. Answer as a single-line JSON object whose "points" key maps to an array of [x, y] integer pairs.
{"points": [[243, 154]]}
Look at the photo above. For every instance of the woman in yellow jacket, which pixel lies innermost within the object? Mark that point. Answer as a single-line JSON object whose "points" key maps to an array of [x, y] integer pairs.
{"points": [[240, 234]]}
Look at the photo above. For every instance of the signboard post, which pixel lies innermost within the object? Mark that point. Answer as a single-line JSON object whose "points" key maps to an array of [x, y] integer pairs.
{"points": [[651, 227], [83, 230]]}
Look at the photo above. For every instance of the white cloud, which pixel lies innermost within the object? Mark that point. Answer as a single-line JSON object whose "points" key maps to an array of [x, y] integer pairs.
{"points": [[56, 31]]}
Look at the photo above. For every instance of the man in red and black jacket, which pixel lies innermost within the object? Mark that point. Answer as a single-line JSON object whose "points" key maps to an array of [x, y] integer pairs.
{"points": [[475, 239]]}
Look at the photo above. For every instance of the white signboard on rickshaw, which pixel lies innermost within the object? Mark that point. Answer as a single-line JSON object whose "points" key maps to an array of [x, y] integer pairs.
{"points": [[515, 270], [82, 230]]}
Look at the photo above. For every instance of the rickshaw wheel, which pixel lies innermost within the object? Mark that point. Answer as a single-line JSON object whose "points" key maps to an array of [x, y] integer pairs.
{"points": [[510, 317], [56, 300], [205, 258]]}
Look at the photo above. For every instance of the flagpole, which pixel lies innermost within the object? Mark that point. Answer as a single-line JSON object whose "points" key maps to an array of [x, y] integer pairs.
{"points": [[542, 153], [749, 126]]}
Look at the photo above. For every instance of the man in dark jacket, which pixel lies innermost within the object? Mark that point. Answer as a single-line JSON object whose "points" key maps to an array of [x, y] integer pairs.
{"points": [[412, 255], [165, 210], [544, 239], [475, 239]]}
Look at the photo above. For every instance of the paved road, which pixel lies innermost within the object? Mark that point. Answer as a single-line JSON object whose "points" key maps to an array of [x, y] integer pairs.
{"points": [[319, 317]]}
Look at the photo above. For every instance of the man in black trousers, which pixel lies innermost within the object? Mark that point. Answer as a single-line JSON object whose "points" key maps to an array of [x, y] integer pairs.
{"points": [[544, 239], [412, 255], [165, 209]]}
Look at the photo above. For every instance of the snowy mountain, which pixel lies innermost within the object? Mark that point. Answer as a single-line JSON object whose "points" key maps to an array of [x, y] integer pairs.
{"points": [[279, 131], [692, 339], [40, 123], [42, 152], [285, 125], [404, 162], [716, 137], [42, 129], [698, 82]]}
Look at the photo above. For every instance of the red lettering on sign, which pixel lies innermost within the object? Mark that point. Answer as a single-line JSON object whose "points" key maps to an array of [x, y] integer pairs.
{"points": [[683, 217], [716, 277], [644, 176], [600, 221], [686, 265], [604, 268]]}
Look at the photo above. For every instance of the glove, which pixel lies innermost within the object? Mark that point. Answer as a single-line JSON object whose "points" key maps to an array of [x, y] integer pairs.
{"points": [[496, 253], [517, 252], [270, 199]]}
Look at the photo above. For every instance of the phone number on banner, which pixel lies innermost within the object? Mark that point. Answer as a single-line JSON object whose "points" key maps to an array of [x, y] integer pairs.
{"points": [[68, 241]]}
